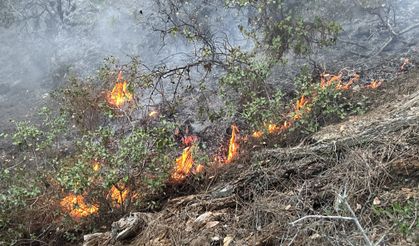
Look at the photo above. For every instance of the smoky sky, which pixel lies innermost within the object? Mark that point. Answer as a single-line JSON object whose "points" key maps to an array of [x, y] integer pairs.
{"points": [[123, 29]]}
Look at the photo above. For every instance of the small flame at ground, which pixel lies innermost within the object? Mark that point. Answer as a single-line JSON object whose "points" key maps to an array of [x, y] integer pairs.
{"points": [[301, 103], [77, 207], [273, 128], [189, 140], [96, 166], [257, 134], [183, 165], [118, 195], [199, 169], [328, 82], [374, 84], [120, 93], [233, 147]]}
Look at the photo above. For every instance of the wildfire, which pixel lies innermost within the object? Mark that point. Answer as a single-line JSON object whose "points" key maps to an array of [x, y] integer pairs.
{"points": [[257, 134], [199, 169], [348, 85], [374, 84], [96, 166], [273, 128], [189, 140], [118, 195], [120, 93], [77, 207], [183, 165], [328, 80], [324, 82], [301, 103], [233, 147]]}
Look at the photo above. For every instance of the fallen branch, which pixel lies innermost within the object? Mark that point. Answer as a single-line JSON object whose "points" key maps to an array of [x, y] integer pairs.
{"points": [[321, 217], [343, 199]]}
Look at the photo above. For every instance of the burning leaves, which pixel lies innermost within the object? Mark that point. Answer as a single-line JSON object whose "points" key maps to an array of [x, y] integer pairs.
{"points": [[118, 194], [327, 80], [76, 206], [120, 93]]}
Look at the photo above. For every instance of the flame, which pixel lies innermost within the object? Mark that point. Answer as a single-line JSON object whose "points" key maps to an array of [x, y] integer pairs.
{"points": [[285, 125], [273, 128], [301, 103], [96, 166], [119, 94], [118, 195], [348, 85], [233, 147], [189, 140], [257, 134], [327, 82], [374, 84], [199, 169], [183, 165], [77, 207]]}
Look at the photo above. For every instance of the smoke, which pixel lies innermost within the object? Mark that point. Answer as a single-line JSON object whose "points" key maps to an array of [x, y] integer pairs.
{"points": [[36, 55]]}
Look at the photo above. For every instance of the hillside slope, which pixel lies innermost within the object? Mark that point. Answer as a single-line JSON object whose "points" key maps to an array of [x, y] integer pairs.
{"points": [[355, 182]]}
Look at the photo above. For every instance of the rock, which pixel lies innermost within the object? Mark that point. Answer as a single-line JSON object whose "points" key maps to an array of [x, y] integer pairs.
{"points": [[130, 226]]}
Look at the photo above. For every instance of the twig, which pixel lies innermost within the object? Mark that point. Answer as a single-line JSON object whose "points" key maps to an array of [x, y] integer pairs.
{"points": [[355, 219], [343, 199], [321, 217], [409, 28]]}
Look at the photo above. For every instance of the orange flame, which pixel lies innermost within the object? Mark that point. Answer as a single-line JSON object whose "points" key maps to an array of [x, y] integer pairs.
{"points": [[301, 103], [348, 85], [327, 82], [118, 195], [272, 128], [374, 84], [285, 126], [257, 134], [120, 93], [233, 147], [77, 207], [199, 169], [183, 166]]}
